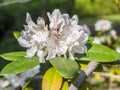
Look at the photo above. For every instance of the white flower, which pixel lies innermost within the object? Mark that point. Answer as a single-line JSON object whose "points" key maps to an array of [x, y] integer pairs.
{"points": [[34, 37], [64, 35], [19, 80], [68, 37], [102, 25], [113, 34], [3, 84], [118, 49], [99, 40], [15, 81]]}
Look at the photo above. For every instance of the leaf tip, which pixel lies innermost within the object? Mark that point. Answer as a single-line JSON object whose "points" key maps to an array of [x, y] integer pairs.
{"points": [[16, 34]]}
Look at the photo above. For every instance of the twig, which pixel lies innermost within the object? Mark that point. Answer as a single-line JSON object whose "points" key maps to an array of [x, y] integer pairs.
{"points": [[87, 71], [13, 2], [83, 75], [107, 75]]}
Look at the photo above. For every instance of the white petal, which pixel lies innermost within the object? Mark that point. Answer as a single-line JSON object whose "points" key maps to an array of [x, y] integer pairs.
{"points": [[24, 43], [56, 13], [29, 20], [74, 36], [83, 37], [31, 51], [80, 49], [71, 54], [62, 49], [49, 16], [40, 21], [14, 80], [41, 55], [51, 53], [86, 29], [74, 20], [97, 40]]}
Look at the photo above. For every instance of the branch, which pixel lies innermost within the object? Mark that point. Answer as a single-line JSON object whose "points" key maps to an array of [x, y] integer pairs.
{"points": [[87, 71], [83, 75], [13, 2], [107, 75]]}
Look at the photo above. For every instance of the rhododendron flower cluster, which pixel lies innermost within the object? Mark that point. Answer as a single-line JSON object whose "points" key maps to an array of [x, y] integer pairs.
{"points": [[63, 35]]}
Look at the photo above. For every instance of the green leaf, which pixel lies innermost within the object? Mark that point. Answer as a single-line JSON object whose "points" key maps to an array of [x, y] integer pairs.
{"points": [[14, 56], [20, 66], [51, 80], [65, 86], [16, 34], [90, 40], [99, 53], [65, 67], [85, 86]]}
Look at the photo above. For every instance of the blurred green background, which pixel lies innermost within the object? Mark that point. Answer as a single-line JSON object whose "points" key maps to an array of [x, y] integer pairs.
{"points": [[12, 15]]}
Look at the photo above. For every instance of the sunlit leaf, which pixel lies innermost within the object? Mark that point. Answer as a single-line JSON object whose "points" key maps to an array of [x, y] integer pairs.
{"points": [[67, 68], [99, 53], [51, 80], [16, 34], [20, 66], [65, 86], [14, 56]]}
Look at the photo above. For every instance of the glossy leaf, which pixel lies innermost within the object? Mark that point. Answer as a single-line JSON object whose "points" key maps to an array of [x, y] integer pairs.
{"points": [[65, 86], [99, 53], [20, 66], [14, 56], [16, 34], [65, 67], [51, 80]]}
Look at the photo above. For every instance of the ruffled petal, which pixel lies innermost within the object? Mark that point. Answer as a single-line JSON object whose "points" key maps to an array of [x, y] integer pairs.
{"points": [[71, 53], [51, 54], [40, 21], [29, 20], [80, 49], [41, 55], [31, 51], [24, 43]]}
